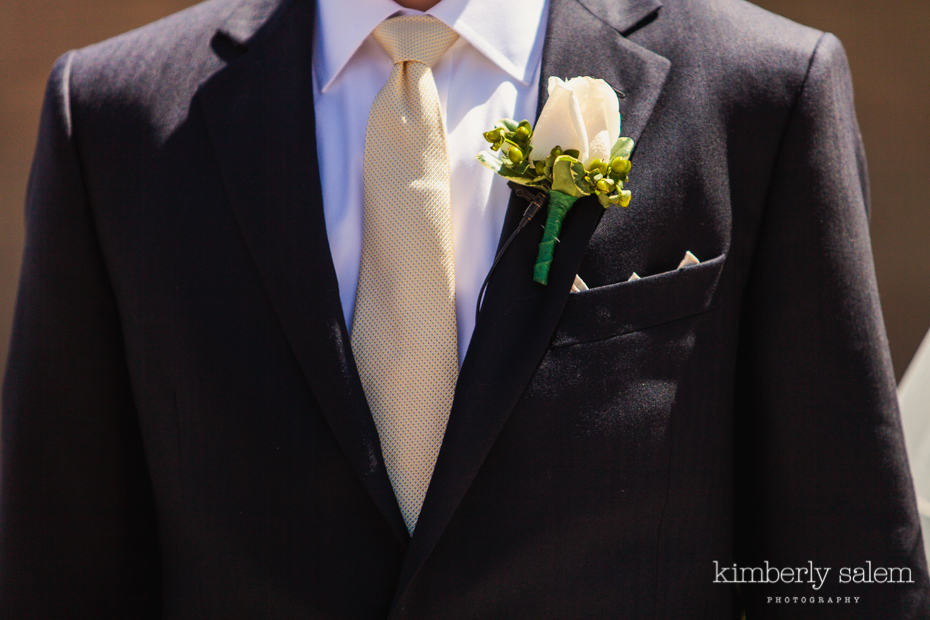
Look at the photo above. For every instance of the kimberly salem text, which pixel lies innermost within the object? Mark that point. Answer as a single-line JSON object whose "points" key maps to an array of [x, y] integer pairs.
{"points": [[816, 576]]}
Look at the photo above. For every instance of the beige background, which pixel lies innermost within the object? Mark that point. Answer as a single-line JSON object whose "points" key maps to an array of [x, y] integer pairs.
{"points": [[887, 46]]}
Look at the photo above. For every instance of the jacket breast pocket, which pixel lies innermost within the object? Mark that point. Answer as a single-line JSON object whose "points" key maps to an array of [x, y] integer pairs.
{"points": [[615, 309]]}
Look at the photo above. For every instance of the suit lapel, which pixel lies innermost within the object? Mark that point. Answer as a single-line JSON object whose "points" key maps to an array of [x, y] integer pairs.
{"points": [[259, 112], [518, 316]]}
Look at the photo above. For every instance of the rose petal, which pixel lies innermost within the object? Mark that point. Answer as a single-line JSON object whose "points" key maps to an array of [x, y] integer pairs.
{"points": [[560, 122], [578, 121], [600, 109]]}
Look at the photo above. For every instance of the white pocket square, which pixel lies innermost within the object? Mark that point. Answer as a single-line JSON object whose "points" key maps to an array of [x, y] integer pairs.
{"points": [[578, 285], [689, 259]]}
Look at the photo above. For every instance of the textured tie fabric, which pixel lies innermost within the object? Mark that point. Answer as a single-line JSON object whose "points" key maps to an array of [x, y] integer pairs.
{"points": [[404, 335]]}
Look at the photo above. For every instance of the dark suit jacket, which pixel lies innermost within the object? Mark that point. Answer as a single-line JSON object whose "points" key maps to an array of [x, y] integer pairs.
{"points": [[185, 434]]}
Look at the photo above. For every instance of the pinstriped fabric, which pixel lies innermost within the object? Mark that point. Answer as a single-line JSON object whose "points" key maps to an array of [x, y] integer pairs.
{"points": [[404, 334]]}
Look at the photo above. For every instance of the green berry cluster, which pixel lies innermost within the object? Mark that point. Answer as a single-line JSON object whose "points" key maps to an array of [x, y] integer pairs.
{"points": [[513, 140], [559, 170], [608, 179]]}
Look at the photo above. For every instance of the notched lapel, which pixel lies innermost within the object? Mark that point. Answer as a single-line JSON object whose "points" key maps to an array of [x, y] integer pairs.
{"points": [[519, 316], [259, 112]]}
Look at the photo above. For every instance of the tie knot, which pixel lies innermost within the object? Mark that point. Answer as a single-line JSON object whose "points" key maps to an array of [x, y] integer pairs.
{"points": [[417, 38]]}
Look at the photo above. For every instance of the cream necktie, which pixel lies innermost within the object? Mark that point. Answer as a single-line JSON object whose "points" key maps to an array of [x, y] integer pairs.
{"points": [[404, 335]]}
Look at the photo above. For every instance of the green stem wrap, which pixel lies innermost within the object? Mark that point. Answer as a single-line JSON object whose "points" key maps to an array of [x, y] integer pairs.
{"points": [[559, 204]]}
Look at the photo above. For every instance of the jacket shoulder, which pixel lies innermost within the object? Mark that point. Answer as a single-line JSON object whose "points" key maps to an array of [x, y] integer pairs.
{"points": [[737, 47], [153, 71], [739, 30], [178, 40]]}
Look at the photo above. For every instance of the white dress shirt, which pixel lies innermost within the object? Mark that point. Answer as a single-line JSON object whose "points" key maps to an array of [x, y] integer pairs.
{"points": [[914, 398], [490, 72]]}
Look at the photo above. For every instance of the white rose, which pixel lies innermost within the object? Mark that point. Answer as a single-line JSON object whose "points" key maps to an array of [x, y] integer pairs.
{"points": [[582, 113]]}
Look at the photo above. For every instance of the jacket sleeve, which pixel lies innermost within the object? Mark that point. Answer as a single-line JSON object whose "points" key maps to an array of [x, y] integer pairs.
{"points": [[77, 535], [822, 471]]}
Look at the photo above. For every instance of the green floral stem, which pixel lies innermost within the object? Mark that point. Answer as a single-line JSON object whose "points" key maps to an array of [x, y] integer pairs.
{"points": [[559, 204]]}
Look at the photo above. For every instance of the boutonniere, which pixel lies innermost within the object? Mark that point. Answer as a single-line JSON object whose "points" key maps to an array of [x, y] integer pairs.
{"points": [[575, 150]]}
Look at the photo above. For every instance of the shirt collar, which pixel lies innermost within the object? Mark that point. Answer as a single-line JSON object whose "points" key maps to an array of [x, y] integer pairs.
{"points": [[507, 32]]}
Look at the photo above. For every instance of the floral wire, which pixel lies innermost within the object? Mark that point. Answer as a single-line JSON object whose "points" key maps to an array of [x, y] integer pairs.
{"points": [[536, 200]]}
